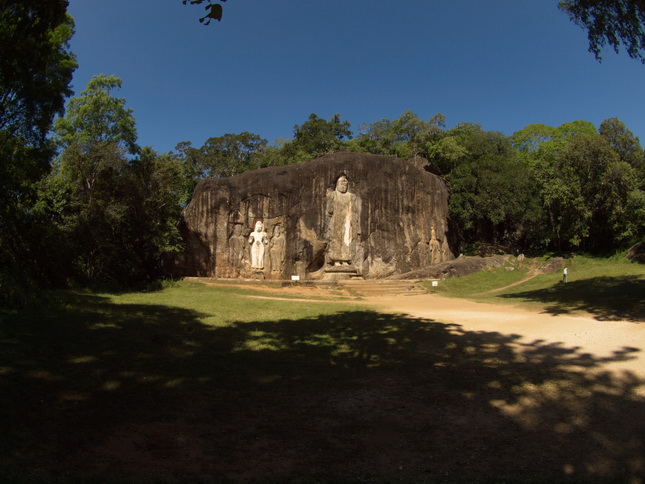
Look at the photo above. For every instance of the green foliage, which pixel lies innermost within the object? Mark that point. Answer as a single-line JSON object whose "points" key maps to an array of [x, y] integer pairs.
{"points": [[405, 137], [624, 143], [492, 194], [117, 216], [36, 68], [610, 22], [585, 184], [96, 116], [221, 156], [316, 137]]}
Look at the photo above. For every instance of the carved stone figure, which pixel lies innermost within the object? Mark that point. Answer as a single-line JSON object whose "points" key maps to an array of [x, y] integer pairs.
{"points": [[277, 249], [257, 240], [236, 246], [445, 251], [436, 254], [343, 229]]}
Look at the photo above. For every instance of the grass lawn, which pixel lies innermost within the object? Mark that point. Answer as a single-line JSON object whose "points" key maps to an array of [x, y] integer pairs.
{"points": [[203, 384], [606, 288]]}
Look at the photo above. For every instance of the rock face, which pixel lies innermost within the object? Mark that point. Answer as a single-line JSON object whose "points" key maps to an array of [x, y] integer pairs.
{"points": [[342, 215]]}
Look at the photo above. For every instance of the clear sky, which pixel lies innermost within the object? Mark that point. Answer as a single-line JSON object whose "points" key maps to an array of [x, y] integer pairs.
{"points": [[270, 63]]}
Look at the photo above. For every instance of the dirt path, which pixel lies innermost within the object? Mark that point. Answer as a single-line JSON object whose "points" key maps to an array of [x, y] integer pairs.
{"points": [[599, 338], [500, 289]]}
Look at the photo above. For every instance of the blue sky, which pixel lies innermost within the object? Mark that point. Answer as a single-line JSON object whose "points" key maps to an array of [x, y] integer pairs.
{"points": [[270, 63]]}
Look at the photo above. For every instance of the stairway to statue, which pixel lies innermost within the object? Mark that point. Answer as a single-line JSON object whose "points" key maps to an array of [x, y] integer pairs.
{"points": [[373, 288]]}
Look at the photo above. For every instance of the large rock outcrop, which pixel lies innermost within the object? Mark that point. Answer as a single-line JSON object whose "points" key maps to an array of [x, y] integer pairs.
{"points": [[341, 215]]}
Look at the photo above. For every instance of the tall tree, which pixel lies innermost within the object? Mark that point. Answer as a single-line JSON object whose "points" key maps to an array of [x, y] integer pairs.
{"points": [[623, 141], [589, 193], [116, 206], [492, 195], [96, 116], [153, 194], [36, 68], [95, 136]]}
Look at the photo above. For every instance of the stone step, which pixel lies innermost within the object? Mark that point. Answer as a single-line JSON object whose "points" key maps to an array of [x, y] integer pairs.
{"points": [[369, 288], [382, 288]]}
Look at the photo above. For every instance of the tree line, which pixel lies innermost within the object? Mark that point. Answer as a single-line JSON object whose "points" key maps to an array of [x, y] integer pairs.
{"points": [[82, 204]]}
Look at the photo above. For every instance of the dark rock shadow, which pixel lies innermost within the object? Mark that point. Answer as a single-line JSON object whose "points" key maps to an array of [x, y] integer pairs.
{"points": [[135, 393]]}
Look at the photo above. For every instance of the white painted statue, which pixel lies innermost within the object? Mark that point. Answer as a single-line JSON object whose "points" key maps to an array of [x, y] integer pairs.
{"points": [[257, 240]]}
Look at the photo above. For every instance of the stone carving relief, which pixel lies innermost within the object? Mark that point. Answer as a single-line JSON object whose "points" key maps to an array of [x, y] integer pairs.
{"points": [[343, 227], [344, 215], [439, 250], [277, 249], [258, 240], [435, 247], [236, 245]]}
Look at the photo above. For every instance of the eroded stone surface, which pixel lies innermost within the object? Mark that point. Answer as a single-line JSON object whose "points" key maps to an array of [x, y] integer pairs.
{"points": [[341, 215]]}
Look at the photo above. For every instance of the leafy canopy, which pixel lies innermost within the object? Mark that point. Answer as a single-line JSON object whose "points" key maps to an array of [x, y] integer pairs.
{"points": [[610, 22]]}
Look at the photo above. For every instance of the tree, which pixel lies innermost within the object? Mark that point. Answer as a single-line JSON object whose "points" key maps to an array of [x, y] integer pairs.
{"points": [[589, 192], [95, 136], [221, 156], [466, 142], [492, 195], [406, 137], [116, 206], [316, 137], [623, 142], [153, 194], [96, 116], [36, 69], [612, 22]]}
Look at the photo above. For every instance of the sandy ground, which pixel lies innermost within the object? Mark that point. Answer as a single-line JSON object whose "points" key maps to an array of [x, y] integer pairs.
{"points": [[582, 332], [600, 338]]}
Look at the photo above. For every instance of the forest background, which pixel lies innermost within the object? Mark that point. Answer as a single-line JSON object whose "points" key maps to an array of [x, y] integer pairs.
{"points": [[82, 204]]}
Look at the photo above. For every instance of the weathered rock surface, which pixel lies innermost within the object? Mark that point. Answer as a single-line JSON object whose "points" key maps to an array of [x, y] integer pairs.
{"points": [[637, 253], [453, 268], [341, 215]]}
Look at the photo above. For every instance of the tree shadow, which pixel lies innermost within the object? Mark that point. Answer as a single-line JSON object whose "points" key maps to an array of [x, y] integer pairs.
{"points": [[100, 391], [607, 298]]}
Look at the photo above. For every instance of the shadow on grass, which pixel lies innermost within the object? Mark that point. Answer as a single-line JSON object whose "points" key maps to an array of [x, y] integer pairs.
{"points": [[98, 391], [607, 298]]}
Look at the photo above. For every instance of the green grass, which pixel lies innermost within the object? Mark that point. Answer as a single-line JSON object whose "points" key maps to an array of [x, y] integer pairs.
{"points": [[608, 288]]}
